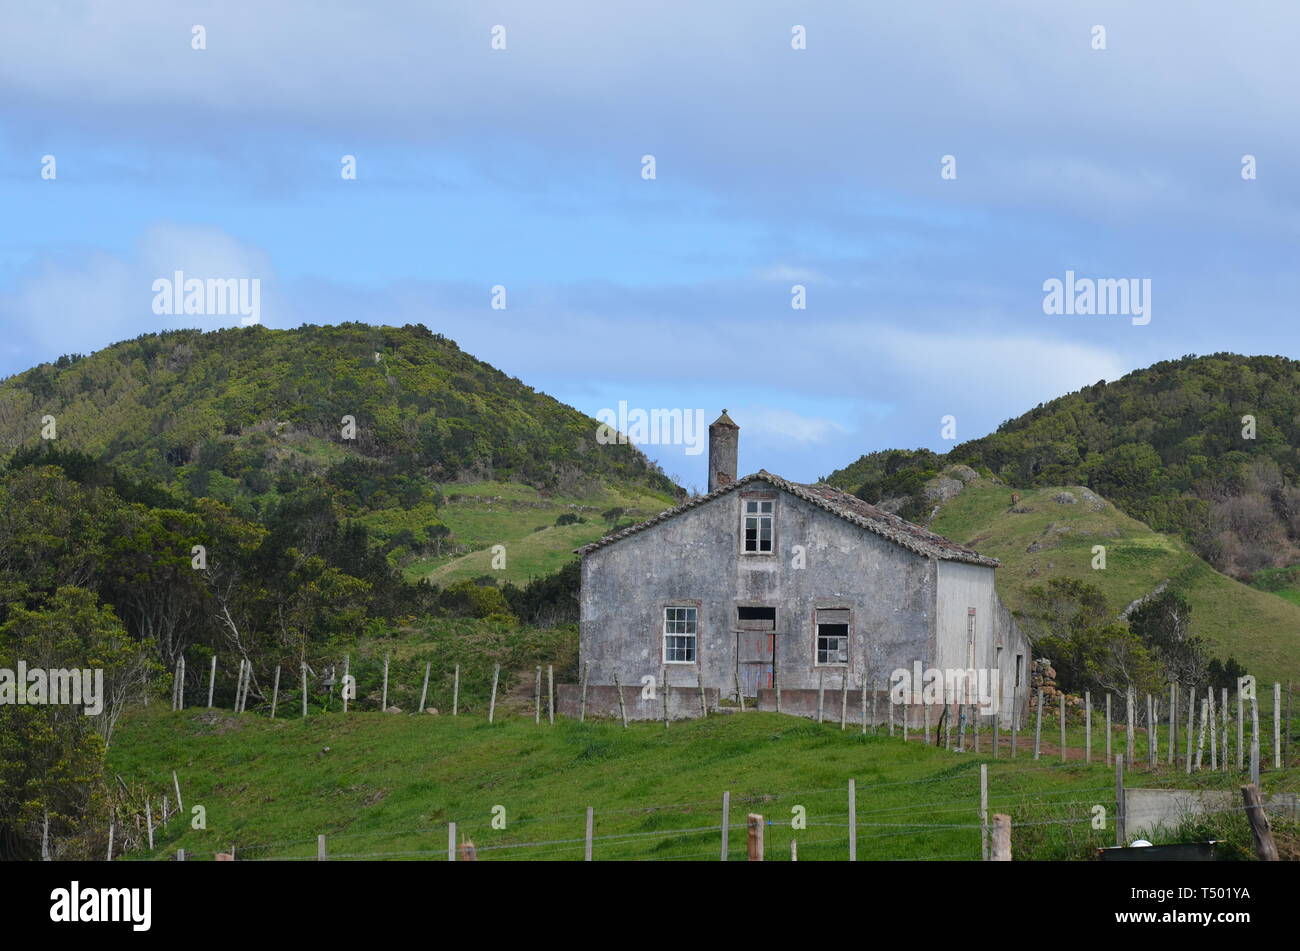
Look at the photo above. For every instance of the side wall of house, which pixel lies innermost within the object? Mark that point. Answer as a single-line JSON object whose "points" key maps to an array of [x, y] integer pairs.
{"points": [[819, 561], [998, 640]]}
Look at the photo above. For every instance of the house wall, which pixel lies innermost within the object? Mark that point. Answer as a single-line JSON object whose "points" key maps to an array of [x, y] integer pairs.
{"points": [[963, 586], [695, 558]]}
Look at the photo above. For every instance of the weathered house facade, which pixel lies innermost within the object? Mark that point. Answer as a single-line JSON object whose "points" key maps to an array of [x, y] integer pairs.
{"points": [[764, 582]]}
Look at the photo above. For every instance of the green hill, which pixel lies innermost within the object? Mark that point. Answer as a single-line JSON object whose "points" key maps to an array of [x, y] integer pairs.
{"points": [[1202, 447], [248, 416], [1038, 538]]}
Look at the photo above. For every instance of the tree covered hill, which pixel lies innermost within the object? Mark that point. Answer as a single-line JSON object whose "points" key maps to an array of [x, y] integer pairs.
{"points": [[1204, 447], [226, 414], [379, 419]]}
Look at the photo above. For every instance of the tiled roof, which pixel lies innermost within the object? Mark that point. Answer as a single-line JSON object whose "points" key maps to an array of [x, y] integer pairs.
{"points": [[848, 507]]}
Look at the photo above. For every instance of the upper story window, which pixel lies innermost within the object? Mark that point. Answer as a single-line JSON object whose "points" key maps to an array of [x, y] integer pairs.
{"points": [[680, 629], [758, 525]]}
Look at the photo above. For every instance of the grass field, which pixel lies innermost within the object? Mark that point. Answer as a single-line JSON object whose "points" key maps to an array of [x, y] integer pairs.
{"points": [[386, 786], [482, 515], [1259, 628]]}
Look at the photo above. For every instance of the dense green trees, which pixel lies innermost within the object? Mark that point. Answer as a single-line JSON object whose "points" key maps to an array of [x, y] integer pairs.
{"points": [[1205, 447], [90, 579], [224, 414], [1068, 620]]}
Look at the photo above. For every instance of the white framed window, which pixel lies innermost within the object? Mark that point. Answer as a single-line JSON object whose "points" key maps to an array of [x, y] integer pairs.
{"points": [[680, 631], [759, 516], [832, 637]]}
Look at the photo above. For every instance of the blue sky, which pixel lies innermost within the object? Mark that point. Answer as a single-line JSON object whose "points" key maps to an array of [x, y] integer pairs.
{"points": [[775, 167]]}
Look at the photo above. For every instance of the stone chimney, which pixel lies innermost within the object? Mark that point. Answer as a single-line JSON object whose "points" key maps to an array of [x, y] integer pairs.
{"points": [[724, 443]]}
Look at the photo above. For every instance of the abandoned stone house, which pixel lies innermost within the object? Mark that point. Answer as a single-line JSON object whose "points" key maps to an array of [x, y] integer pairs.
{"points": [[763, 582]]}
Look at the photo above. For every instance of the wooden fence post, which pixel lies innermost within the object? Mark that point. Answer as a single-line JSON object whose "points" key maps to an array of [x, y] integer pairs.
{"points": [[704, 702], [984, 811], [862, 697], [997, 728], [1200, 738], [726, 819], [844, 699], [890, 705], [1173, 712], [1191, 714], [586, 851], [663, 693], [1130, 729], [755, 837], [321, 854], [776, 683], [537, 696], [1254, 761], [550, 692], [492, 706], [347, 672], [455, 693], [1001, 838], [1061, 697], [1087, 726], [582, 702], [1211, 723], [1120, 818], [180, 806], [1241, 729], [1277, 725], [1015, 724], [424, 691], [383, 702], [622, 709], [821, 693], [1223, 734], [275, 693], [148, 821], [212, 680], [1038, 726], [1260, 830], [1254, 717], [853, 821], [1153, 730], [451, 841]]}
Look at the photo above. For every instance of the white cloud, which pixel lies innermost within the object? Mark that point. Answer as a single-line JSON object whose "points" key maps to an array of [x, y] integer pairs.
{"points": [[784, 427], [83, 301]]}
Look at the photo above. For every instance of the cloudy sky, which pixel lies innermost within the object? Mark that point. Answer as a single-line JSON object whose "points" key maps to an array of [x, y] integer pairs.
{"points": [[774, 167]]}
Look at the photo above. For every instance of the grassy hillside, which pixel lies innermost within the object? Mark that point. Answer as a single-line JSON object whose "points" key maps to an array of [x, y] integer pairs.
{"points": [[1202, 447], [481, 515], [1261, 629], [386, 786]]}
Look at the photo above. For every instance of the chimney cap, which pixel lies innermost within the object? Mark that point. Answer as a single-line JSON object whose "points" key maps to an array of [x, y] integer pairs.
{"points": [[724, 420]]}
